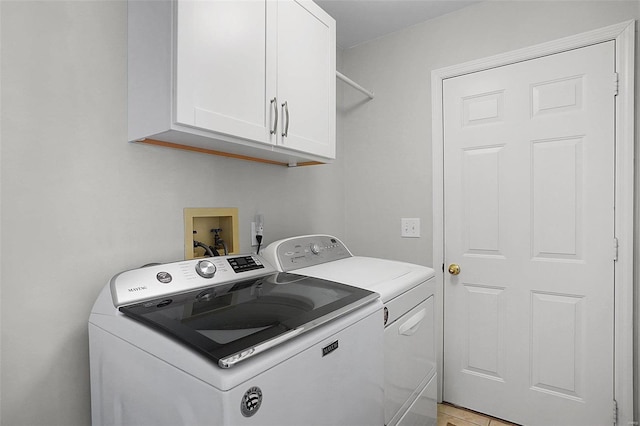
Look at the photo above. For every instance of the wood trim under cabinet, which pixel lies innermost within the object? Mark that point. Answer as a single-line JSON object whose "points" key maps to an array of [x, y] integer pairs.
{"points": [[222, 154]]}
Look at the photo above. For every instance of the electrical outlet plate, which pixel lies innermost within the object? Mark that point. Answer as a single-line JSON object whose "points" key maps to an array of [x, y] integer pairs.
{"points": [[257, 226], [410, 227], [254, 242]]}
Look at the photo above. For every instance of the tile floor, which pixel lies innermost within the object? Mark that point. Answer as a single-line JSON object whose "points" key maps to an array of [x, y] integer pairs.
{"points": [[448, 415]]}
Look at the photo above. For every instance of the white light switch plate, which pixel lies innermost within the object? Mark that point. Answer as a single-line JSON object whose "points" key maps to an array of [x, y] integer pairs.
{"points": [[410, 227]]}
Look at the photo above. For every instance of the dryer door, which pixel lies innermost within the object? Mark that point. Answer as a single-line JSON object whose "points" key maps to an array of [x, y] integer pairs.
{"points": [[409, 354]]}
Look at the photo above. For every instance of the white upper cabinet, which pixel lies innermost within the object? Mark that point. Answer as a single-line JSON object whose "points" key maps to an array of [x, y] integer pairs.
{"points": [[254, 78], [306, 78], [221, 68]]}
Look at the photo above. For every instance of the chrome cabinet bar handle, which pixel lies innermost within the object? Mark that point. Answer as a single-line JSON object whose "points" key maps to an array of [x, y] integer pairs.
{"points": [[285, 110], [274, 103]]}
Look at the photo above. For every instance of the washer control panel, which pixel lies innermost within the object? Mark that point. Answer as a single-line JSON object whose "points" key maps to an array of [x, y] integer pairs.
{"points": [[300, 252], [170, 278], [245, 263]]}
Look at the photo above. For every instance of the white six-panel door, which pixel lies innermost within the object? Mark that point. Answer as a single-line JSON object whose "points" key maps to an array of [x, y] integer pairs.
{"points": [[529, 219]]}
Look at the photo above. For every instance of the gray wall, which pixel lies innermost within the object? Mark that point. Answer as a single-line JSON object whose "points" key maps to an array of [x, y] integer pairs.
{"points": [[80, 204], [387, 141]]}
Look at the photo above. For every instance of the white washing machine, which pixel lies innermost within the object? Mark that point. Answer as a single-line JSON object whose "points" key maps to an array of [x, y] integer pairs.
{"points": [[408, 294], [231, 341]]}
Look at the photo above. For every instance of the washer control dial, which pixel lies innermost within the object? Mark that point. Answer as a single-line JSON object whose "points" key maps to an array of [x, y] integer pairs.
{"points": [[206, 269], [315, 248]]}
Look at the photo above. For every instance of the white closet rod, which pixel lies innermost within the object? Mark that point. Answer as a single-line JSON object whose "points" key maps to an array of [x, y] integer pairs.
{"points": [[353, 84]]}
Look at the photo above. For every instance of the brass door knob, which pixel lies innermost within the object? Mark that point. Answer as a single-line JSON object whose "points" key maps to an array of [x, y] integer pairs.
{"points": [[454, 269]]}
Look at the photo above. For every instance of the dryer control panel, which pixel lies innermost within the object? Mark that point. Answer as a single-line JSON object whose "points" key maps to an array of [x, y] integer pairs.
{"points": [[309, 250]]}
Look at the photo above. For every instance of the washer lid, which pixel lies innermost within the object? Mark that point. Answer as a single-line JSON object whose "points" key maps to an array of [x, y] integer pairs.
{"points": [[388, 278], [232, 322]]}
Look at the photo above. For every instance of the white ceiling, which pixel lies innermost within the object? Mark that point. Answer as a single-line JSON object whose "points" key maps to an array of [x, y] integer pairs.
{"points": [[359, 21]]}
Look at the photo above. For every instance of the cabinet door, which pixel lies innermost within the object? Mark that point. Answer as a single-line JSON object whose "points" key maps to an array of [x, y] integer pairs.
{"points": [[221, 76], [306, 77]]}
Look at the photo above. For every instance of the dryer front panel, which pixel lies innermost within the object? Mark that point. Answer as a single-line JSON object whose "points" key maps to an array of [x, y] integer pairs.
{"points": [[409, 351]]}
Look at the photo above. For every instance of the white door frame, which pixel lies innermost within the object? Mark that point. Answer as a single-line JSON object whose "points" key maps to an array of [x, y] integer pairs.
{"points": [[624, 36]]}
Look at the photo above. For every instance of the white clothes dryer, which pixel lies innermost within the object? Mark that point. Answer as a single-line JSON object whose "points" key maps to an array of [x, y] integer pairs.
{"points": [[408, 294], [231, 341]]}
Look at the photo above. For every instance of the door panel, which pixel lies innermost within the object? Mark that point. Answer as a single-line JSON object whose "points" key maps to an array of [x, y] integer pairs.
{"points": [[557, 179], [306, 77], [485, 321], [221, 75], [529, 187]]}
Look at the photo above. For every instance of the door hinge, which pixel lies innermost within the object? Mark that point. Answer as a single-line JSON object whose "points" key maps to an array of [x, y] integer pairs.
{"points": [[615, 249], [616, 83], [615, 412]]}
